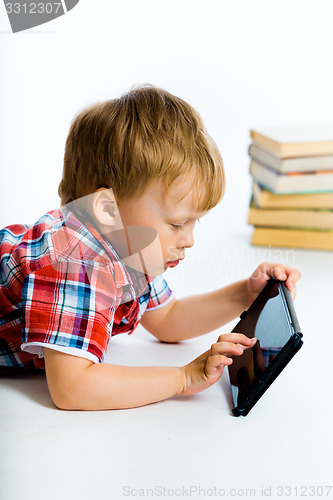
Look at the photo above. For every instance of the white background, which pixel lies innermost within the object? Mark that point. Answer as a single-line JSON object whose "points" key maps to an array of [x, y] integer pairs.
{"points": [[241, 65]]}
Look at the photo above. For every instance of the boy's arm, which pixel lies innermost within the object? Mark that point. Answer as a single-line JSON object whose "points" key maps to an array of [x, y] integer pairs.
{"points": [[79, 384], [198, 314]]}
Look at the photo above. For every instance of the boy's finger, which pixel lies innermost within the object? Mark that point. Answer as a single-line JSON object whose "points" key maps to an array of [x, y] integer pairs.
{"points": [[236, 338], [293, 274], [279, 272], [226, 348], [215, 361], [229, 348]]}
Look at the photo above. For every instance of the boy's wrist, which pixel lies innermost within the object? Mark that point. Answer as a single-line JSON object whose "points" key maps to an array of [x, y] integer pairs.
{"points": [[244, 296], [181, 380]]}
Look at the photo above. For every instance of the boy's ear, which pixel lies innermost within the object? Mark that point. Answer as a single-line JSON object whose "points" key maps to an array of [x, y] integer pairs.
{"points": [[105, 208]]}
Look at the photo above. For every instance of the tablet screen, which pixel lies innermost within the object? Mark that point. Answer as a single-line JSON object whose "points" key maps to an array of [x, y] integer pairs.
{"points": [[269, 321]]}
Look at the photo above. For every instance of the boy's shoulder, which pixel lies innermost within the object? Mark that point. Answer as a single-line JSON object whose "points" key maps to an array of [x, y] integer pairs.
{"points": [[62, 246], [56, 238], [25, 244]]}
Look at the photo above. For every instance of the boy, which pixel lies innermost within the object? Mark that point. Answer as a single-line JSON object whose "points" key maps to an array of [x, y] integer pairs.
{"points": [[92, 269]]}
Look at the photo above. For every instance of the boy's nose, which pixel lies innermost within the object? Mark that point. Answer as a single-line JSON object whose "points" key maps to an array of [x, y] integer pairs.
{"points": [[187, 240]]}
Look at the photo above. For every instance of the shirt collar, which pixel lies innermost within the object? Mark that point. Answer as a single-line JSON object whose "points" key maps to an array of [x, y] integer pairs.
{"points": [[98, 249]]}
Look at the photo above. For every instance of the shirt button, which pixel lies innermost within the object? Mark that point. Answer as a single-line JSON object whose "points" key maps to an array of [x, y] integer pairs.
{"points": [[127, 297]]}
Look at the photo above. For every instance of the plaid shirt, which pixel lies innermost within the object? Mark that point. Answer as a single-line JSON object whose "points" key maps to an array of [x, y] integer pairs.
{"points": [[62, 285]]}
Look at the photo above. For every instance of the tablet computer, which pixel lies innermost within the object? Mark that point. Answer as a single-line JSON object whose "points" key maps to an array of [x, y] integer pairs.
{"points": [[272, 319]]}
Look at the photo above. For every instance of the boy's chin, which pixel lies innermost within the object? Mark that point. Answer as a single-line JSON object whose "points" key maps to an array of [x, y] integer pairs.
{"points": [[150, 268]]}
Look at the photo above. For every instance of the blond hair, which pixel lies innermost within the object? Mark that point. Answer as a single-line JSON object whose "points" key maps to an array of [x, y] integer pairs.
{"points": [[126, 143]]}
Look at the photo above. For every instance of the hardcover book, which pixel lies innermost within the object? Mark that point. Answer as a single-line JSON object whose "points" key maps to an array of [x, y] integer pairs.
{"points": [[295, 141], [281, 217], [296, 182], [264, 198], [285, 165], [297, 238]]}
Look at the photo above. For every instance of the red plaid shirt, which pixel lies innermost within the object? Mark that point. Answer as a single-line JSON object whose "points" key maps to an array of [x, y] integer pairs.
{"points": [[62, 285]]}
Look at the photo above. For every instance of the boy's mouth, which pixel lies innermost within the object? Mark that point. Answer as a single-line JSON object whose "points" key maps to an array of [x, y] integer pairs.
{"points": [[173, 263]]}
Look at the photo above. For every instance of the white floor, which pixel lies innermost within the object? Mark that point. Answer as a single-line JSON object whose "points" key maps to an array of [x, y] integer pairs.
{"points": [[187, 446]]}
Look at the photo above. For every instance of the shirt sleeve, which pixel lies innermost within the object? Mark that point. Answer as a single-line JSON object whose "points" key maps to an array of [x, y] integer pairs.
{"points": [[68, 307], [160, 294]]}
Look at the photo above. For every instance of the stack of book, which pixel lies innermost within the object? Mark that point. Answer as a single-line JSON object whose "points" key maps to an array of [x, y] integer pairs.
{"points": [[292, 196]]}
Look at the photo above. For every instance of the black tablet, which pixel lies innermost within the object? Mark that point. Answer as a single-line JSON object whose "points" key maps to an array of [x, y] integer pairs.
{"points": [[272, 320]]}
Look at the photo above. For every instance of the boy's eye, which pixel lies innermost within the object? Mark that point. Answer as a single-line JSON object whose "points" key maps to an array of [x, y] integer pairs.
{"points": [[179, 226]]}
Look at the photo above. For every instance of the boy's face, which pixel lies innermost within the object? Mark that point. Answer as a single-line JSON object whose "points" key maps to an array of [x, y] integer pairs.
{"points": [[172, 217]]}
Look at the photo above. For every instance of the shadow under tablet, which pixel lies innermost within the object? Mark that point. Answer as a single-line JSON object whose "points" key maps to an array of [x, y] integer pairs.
{"points": [[272, 320]]}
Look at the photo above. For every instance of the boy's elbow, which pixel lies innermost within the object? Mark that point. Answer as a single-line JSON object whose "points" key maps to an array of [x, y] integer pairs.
{"points": [[167, 340], [166, 337], [60, 403], [65, 400], [64, 396], [65, 376]]}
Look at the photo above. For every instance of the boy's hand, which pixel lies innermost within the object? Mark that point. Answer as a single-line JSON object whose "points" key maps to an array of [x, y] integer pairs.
{"points": [[258, 279], [205, 370]]}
